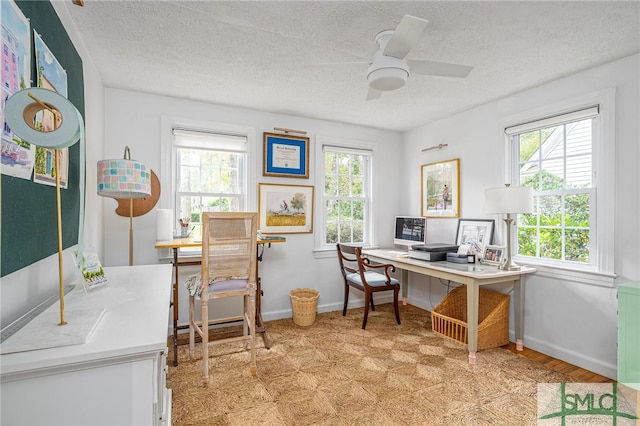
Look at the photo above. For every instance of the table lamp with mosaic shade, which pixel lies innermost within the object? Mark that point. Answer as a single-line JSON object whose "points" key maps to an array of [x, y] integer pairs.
{"points": [[124, 179]]}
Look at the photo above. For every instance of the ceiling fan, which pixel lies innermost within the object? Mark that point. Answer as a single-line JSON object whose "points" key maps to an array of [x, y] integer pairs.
{"points": [[389, 68]]}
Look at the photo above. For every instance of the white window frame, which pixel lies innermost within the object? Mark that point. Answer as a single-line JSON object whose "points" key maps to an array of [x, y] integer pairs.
{"points": [[345, 145], [168, 160], [601, 272], [199, 140]]}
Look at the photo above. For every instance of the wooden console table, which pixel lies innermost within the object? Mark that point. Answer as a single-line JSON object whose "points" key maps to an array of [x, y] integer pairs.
{"points": [[175, 245], [471, 275]]}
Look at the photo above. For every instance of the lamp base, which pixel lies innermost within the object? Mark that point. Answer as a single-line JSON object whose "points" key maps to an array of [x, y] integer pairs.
{"points": [[511, 267], [508, 264], [43, 332]]}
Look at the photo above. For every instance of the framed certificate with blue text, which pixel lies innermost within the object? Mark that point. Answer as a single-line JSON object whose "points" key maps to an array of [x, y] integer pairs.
{"points": [[286, 156]]}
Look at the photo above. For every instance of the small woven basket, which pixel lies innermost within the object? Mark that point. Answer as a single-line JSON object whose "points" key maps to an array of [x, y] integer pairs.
{"points": [[449, 317], [304, 303]]}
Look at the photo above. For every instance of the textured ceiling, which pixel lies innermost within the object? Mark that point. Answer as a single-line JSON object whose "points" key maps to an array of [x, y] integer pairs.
{"points": [[253, 54]]}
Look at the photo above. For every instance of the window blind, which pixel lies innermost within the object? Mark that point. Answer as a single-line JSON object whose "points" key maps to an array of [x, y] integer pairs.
{"points": [[555, 120], [355, 151], [191, 138]]}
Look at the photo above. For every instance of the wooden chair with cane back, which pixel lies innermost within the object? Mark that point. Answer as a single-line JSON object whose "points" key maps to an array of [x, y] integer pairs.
{"points": [[229, 257], [358, 272]]}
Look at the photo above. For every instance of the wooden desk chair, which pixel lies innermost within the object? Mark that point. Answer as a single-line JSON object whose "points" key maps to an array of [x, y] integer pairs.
{"points": [[358, 272], [229, 258]]}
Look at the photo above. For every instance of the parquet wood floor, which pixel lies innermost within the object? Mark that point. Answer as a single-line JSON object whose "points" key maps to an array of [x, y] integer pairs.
{"points": [[580, 374]]}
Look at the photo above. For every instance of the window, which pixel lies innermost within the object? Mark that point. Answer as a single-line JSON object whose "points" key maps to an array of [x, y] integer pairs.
{"points": [[346, 198], [205, 166], [555, 156], [210, 171]]}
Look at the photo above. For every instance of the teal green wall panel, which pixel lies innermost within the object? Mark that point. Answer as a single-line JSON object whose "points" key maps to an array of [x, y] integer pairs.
{"points": [[29, 219]]}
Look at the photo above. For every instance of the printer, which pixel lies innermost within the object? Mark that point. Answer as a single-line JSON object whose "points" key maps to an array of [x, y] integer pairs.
{"points": [[431, 252]]}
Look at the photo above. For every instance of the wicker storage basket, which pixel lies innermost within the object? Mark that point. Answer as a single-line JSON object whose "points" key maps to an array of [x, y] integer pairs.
{"points": [[449, 317], [304, 303]]}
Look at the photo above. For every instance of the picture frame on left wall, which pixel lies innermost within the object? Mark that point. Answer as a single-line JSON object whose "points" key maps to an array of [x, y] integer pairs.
{"points": [[285, 209]]}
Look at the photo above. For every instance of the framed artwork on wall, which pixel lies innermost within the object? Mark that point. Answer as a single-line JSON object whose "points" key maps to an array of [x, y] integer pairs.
{"points": [[440, 189], [285, 156], [285, 209]]}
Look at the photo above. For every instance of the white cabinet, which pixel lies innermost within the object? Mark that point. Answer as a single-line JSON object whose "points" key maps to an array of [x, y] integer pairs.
{"points": [[118, 377]]}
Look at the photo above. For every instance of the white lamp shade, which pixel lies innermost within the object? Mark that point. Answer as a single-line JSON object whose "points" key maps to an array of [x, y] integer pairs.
{"points": [[508, 199], [164, 224], [123, 178]]}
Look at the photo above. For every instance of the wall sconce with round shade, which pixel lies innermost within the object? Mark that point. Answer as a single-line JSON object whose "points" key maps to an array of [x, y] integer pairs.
{"points": [[508, 200], [124, 179]]}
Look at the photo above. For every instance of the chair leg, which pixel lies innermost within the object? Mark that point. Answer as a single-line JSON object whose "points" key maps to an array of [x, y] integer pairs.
{"points": [[395, 303], [367, 302], [192, 331], [346, 299], [246, 320], [252, 332], [373, 307], [205, 340], [245, 326]]}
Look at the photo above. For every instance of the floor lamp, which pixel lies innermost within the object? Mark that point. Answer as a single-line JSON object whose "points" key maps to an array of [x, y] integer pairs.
{"points": [[26, 122], [124, 178], [24, 115], [508, 200]]}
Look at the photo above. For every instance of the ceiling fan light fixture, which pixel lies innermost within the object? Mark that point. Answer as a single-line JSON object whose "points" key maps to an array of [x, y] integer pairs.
{"points": [[386, 79]]}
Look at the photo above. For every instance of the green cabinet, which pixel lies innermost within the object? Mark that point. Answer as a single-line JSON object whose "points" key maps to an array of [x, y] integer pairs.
{"points": [[629, 334]]}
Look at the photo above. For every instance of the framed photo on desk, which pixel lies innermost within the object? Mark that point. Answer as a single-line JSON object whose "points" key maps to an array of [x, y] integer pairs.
{"points": [[493, 255], [476, 233], [286, 156]]}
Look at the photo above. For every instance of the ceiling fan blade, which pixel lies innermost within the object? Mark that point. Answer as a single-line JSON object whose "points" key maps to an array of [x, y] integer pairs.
{"points": [[333, 64], [373, 94], [441, 69], [405, 36]]}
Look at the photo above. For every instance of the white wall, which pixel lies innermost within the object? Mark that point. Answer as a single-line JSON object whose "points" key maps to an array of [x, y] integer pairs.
{"points": [[26, 288], [569, 320], [134, 119], [566, 319]]}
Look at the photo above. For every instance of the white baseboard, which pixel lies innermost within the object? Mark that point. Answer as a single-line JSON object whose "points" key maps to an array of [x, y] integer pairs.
{"points": [[566, 355], [420, 303], [329, 307]]}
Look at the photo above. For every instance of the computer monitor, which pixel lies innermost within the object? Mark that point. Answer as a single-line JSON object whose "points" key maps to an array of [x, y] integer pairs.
{"points": [[410, 231]]}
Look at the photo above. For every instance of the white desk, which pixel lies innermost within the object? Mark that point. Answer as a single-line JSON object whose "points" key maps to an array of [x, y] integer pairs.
{"points": [[117, 377], [473, 276]]}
